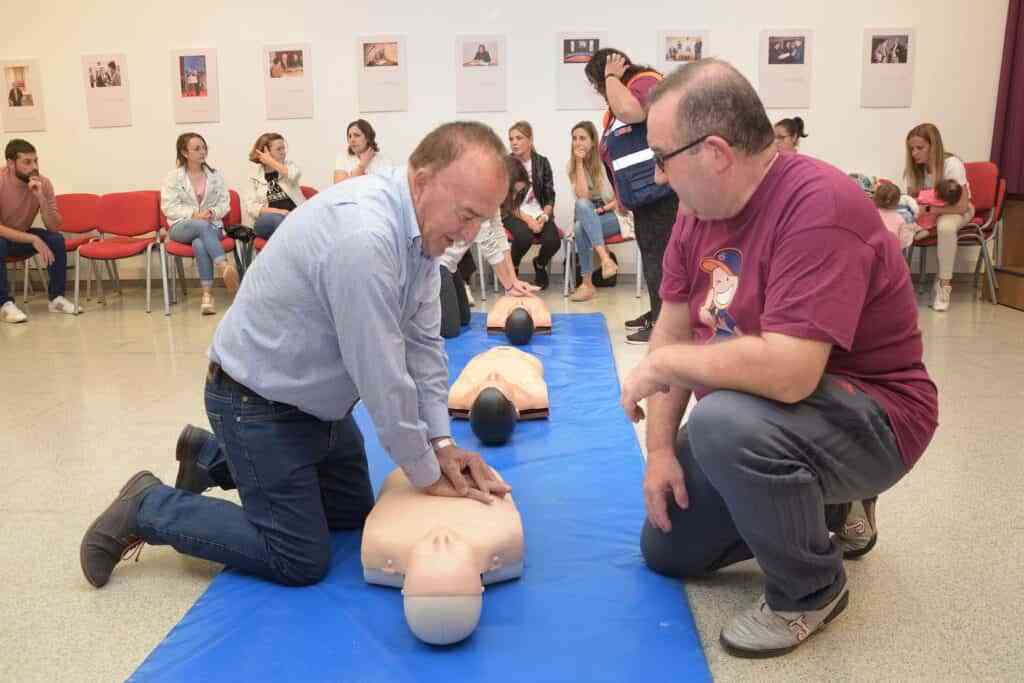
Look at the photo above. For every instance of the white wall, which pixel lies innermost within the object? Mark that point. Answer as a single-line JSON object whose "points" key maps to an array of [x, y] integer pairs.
{"points": [[956, 78]]}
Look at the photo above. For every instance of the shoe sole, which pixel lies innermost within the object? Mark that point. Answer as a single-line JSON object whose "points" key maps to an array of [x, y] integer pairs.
{"points": [[88, 532], [765, 654], [638, 343], [861, 552]]}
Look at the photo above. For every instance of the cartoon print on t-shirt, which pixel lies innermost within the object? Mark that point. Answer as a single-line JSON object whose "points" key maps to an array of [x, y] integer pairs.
{"points": [[724, 270]]}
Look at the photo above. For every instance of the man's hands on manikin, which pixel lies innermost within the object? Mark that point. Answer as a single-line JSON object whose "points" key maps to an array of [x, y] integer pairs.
{"points": [[465, 474]]}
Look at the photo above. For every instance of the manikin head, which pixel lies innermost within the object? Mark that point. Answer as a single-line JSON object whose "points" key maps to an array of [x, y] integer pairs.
{"points": [[519, 326], [443, 593], [493, 415]]}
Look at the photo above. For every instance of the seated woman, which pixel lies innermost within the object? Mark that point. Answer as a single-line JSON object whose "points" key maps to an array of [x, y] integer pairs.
{"points": [[362, 157], [535, 216], [596, 217], [273, 190], [928, 164], [195, 200], [788, 133], [494, 247]]}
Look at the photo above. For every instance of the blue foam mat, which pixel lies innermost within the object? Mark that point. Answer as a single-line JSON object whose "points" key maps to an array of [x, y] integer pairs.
{"points": [[586, 607]]}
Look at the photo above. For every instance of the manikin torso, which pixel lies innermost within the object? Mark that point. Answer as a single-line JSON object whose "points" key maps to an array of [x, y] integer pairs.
{"points": [[440, 551], [518, 375], [537, 309]]}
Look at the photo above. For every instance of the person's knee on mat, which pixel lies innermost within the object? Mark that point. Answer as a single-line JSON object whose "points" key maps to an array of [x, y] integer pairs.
{"points": [[305, 569]]}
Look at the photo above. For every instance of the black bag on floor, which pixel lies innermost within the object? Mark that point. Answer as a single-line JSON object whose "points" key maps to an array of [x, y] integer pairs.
{"points": [[598, 280]]}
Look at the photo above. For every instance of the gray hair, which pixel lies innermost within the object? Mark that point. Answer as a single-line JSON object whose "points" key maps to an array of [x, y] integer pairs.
{"points": [[717, 100], [449, 141]]}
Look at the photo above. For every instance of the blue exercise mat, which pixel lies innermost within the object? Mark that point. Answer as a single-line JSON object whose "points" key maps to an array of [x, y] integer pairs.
{"points": [[585, 609]]}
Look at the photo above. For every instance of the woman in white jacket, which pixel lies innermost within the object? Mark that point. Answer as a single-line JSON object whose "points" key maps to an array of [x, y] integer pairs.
{"points": [[273, 190], [195, 201]]}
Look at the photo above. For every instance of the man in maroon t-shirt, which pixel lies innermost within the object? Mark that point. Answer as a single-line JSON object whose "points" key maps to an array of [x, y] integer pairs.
{"points": [[788, 311]]}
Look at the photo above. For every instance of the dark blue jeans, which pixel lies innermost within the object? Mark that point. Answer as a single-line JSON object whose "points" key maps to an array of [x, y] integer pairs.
{"points": [[298, 478], [58, 270]]}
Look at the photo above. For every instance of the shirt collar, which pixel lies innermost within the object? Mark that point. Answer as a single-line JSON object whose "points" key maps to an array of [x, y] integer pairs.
{"points": [[412, 226]]}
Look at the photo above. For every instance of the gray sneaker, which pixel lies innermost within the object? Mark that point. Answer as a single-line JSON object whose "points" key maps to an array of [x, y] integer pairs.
{"points": [[858, 534], [762, 632]]}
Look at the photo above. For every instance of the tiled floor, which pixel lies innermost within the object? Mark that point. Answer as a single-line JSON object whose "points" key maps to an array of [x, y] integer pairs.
{"points": [[87, 401]]}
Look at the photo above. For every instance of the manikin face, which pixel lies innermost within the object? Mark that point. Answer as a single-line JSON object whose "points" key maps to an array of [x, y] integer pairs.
{"points": [[784, 141], [581, 143], [356, 140], [451, 204], [520, 145], [279, 150], [25, 167], [919, 149]]}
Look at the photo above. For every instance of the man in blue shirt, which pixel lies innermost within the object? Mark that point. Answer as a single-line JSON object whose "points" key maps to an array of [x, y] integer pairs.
{"points": [[342, 306]]}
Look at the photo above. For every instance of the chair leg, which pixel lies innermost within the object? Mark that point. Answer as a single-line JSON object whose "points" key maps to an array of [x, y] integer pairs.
{"points": [[181, 275], [24, 264], [163, 279], [149, 277], [117, 278], [990, 273], [78, 263]]}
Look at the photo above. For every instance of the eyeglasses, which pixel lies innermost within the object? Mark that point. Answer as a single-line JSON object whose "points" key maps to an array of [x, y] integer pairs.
{"points": [[662, 159]]}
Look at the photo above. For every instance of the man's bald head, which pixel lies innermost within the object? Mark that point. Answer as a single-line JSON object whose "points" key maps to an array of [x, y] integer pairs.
{"points": [[713, 98]]}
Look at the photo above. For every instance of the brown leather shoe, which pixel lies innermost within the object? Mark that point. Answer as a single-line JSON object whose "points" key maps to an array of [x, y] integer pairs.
{"points": [[191, 477], [115, 532]]}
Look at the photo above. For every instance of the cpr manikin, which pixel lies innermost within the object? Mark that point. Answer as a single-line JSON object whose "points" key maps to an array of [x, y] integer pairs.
{"points": [[508, 316], [441, 552], [497, 388]]}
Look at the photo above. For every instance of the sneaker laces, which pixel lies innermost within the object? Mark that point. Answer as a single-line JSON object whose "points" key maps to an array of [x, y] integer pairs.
{"points": [[797, 625]]}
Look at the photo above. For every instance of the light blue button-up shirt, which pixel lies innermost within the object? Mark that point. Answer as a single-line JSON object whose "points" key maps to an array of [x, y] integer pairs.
{"points": [[343, 305]]}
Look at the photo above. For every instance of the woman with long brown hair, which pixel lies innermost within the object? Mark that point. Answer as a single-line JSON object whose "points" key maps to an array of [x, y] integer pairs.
{"points": [[595, 214], [928, 163], [273, 190], [535, 217]]}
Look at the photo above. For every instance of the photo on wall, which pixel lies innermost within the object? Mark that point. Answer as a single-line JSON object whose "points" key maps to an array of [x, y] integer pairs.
{"points": [[195, 93], [786, 49], [890, 49], [382, 73], [286, 64], [107, 100], [23, 106], [579, 50], [680, 49], [380, 54], [887, 68], [479, 54]]}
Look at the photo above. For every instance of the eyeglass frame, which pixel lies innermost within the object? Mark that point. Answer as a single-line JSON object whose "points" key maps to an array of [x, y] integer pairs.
{"points": [[660, 160]]}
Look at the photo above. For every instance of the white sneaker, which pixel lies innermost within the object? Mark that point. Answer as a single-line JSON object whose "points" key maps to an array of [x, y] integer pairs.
{"points": [[763, 632], [940, 301], [62, 305], [469, 295], [9, 313]]}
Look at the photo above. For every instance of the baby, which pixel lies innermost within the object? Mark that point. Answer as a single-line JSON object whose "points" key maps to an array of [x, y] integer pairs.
{"points": [[946, 193], [887, 199]]}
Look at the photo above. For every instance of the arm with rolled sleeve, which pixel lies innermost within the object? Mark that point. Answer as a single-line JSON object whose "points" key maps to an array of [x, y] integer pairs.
{"points": [[255, 195], [492, 240], [361, 284]]}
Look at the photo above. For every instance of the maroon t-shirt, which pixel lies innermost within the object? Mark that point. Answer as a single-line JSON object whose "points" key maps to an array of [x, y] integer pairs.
{"points": [[809, 257]]}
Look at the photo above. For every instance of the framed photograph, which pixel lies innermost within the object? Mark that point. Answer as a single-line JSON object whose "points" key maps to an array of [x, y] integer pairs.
{"points": [[681, 46], [383, 73], [194, 86], [23, 106], [288, 80], [784, 68], [573, 52], [887, 68], [481, 81], [106, 90]]}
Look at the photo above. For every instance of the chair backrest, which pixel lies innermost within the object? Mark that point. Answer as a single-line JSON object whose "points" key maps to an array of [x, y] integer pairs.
{"points": [[983, 177], [234, 216], [997, 209], [78, 212], [308, 192], [129, 214]]}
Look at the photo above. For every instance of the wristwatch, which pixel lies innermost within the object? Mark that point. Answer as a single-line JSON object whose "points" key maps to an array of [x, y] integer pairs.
{"points": [[443, 442]]}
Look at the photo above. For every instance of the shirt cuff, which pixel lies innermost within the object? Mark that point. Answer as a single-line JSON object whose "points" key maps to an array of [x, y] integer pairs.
{"points": [[437, 420], [423, 470]]}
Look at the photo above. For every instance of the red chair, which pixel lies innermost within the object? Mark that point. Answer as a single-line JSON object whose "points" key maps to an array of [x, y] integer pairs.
{"points": [[259, 242], [182, 251], [128, 224], [988, 191], [80, 216]]}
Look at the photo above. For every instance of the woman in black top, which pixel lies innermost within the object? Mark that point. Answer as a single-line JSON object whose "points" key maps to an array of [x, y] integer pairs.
{"points": [[534, 218]]}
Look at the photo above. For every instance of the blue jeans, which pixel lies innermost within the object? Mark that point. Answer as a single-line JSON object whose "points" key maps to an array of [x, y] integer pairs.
{"points": [[58, 270], [267, 223], [205, 240], [298, 478], [591, 232], [759, 475]]}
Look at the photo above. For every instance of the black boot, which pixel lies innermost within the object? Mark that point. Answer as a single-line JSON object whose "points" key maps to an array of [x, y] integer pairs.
{"points": [[540, 277], [192, 477]]}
